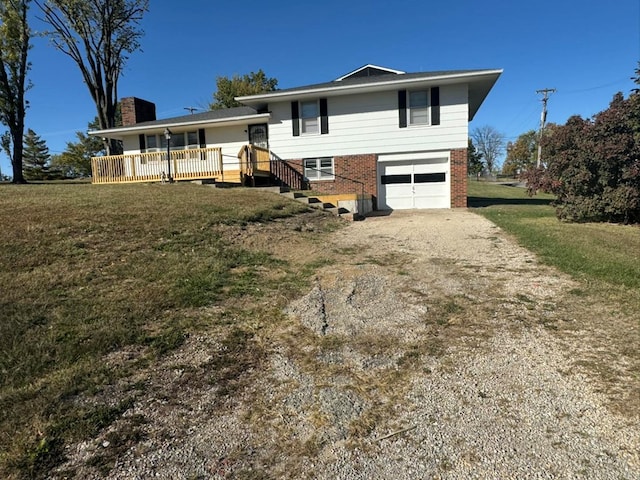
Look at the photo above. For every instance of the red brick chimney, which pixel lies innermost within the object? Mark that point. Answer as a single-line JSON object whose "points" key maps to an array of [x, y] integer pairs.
{"points": [[135, 110]]}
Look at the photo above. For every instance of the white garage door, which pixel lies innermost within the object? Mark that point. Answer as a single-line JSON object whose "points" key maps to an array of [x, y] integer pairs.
{"points": [[414, 184]]}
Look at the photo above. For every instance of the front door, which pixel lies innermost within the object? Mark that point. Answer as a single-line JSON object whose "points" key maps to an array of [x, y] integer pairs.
{"points": [[258, 135]]}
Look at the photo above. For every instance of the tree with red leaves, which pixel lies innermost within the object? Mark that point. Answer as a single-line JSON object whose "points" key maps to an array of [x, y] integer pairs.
{"points": [[593, 166]]}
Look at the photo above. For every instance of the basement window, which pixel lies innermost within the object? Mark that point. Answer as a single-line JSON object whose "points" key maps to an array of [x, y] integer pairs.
{"points": [[316, 169]]}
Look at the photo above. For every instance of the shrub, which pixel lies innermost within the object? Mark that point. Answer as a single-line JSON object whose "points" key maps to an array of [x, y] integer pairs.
{"points": [[593, 166]]}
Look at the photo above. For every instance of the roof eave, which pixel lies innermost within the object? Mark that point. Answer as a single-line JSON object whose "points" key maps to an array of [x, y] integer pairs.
{"points": [[262, 99], [478, 92], [120, 132]]}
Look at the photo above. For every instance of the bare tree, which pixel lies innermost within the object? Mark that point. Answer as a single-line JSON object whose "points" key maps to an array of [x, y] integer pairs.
{"points": [[98, 35], [15, 42], [490, 143]]}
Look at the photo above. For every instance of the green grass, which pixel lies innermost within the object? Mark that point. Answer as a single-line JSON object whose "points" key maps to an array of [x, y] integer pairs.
{"points": [[603, 254], [89, 271]]}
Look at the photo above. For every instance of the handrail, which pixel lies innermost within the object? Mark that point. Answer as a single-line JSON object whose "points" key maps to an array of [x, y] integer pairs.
{"points": [[286, 174], [251, 158]]}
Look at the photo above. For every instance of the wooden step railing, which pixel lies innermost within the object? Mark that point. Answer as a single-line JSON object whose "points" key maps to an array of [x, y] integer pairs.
{"points": [[193, 164], [287, 176], [262, 162], [254, 161]]}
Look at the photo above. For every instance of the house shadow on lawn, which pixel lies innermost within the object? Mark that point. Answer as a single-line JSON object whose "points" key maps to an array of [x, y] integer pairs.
{"points": [[479, 202]]}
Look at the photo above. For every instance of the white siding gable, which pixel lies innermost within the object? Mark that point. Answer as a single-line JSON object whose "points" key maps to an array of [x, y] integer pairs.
{"points": [[368, 123]]}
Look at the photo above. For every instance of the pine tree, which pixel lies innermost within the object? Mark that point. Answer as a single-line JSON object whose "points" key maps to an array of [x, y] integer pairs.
{"points": [[35, 157]]}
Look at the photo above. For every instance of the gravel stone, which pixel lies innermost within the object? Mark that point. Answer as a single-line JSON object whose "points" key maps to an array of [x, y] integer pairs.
{"points": [[439, 349]]}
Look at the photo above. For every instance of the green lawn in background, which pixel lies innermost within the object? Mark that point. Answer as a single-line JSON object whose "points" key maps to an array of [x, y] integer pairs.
{"points": [[603, 253]]}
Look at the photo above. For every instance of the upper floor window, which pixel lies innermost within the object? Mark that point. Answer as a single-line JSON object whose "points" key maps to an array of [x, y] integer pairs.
{"points": [[418, 111], [310, 117], [309, 122], [419, 107]]}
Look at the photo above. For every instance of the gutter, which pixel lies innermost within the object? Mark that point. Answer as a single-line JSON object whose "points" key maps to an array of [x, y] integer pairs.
{"points": [[142, 127]]}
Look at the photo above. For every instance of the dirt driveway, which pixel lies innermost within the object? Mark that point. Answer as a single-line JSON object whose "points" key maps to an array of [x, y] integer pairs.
{"points": [[435, 348]]}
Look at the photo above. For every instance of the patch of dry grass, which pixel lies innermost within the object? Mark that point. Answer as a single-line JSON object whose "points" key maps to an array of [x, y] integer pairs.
{"points": [[90, 271]]}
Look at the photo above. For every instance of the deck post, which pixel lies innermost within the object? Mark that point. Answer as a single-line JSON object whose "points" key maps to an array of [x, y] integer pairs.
{"points": [[133, 167], [167, 135]]}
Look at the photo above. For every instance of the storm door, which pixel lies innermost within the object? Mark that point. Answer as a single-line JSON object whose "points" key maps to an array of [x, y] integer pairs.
{"points": [[258, 135]]}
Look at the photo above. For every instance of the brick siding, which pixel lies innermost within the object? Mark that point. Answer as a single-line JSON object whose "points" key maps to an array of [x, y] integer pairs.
{"points": [[135, 110], [363, 168], [354, 174], [459, 178]]}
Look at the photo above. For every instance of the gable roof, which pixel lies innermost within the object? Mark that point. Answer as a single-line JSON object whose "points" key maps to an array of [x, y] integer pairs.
{"points": [[225, 116], [480, 83], [368, 78], [368, 70]]}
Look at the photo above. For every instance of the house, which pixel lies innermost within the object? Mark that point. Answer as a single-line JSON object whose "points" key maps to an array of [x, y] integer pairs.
{"points": [[400, 138]]}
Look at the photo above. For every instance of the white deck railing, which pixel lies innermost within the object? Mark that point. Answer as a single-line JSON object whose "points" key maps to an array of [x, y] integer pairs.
{"points": [[197, 163]]}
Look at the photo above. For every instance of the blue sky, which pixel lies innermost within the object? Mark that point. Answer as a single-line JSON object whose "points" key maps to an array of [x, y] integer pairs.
{"points": [[586, 50]]}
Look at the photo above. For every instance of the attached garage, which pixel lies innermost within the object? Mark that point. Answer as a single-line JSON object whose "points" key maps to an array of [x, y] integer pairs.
{"points": [[413, 183]]}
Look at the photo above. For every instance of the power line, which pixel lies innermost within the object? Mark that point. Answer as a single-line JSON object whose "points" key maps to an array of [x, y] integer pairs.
{"points": [[590, 89], [543, 118]]}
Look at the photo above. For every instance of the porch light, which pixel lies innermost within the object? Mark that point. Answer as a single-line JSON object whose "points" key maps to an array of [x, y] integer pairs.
{"points": [[167, 135]]}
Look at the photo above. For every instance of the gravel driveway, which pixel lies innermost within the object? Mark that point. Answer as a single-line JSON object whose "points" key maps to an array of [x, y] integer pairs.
{"points": [[506, 399], [435, 348]]}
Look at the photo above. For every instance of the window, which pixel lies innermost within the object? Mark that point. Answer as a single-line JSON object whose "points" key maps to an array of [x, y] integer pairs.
{"points": [[179, 141], [152, 143], [417, 178], [319, 169], [418, 110], [310, 117], [309, 122], [394, 179], [430, 177], [419, 107], [192, 140]]}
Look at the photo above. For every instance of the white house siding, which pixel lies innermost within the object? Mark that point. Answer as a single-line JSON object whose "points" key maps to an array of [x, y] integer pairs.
{"points": [[131, 145], [368, 123], [230, 139]]}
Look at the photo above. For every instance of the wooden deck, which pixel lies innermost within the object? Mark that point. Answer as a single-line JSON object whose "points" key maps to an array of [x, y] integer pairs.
{"points": [[191, 164]]}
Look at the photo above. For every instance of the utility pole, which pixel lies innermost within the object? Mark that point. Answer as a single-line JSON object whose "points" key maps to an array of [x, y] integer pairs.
{"points": [[543, 119]]}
